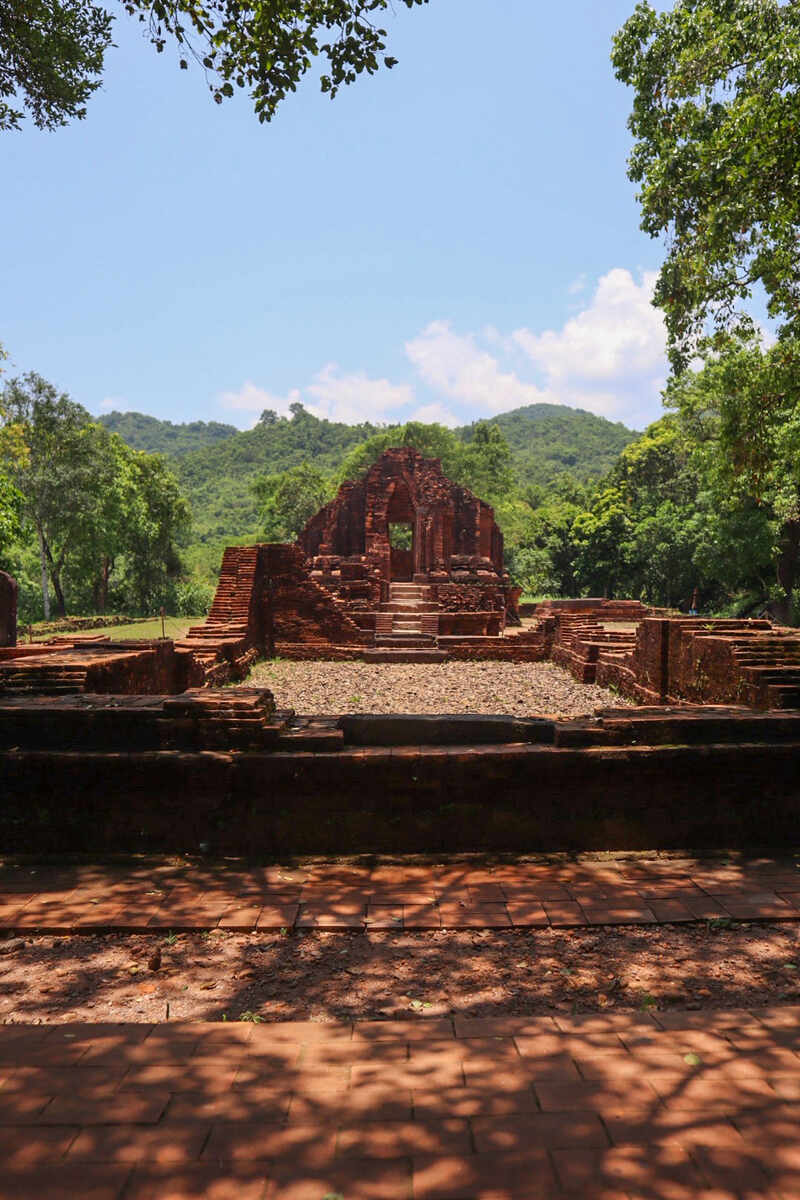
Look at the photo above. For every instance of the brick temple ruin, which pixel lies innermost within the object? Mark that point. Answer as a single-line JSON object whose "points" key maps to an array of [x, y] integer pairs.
{"points": [[138, 745], [345, 591]]}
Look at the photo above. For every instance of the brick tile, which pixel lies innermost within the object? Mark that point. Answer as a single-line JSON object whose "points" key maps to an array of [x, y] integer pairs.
{"points": [[64, 1183], [480, 893], [370, 1179], [238, 1104], [709, 1091], [372, 1102], [172, 1143], [365, 1033], [564, 913], [253, 1141], [94, 1082], [240, 918], [23, 1147], [471, 1027], [583, 1023], [555, 1130], [385, 916], [659, 1171], [553, 1045], [617, 915], [507, 1176], [412, 1074], [23, 1108], [527, 913], [483, 917], [277, 916], [486, 1099], [732, 1166], [303, 1032], [730, 1019], [145, 1107], [192, 1182], [331, 918], [212, 1076], [671, 909], [595, 1095], [421, 916], [399, 1138], [779, 1016], [658, 1124]]}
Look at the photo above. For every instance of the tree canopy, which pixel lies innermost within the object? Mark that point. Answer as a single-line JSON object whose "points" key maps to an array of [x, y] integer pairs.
{"points": [[52, 52], [91, 505], [716, 117]]}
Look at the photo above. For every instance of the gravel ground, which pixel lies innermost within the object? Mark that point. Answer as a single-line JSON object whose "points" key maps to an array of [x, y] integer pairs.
{"points": [[523, 689], [335, 976]]}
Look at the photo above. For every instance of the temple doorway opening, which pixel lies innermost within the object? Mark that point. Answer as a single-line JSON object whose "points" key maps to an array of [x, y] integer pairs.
{"points": [[401, 543]]}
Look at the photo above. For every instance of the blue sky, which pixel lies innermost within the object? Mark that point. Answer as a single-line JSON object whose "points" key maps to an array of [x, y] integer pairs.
{"points": [[447, 240]]}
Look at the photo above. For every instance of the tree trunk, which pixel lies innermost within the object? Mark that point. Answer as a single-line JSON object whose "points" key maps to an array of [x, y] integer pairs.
{"points": [[104, 583], [55, 579], [45, 584], [788, 556]]}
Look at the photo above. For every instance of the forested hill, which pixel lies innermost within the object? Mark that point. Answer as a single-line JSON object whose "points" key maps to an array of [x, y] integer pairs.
{"points": [[217, 464], [142, 432], [549, 439]]}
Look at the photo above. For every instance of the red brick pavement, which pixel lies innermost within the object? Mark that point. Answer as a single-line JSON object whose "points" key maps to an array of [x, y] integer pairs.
{"points": [[698, 1105], [454, 895]]}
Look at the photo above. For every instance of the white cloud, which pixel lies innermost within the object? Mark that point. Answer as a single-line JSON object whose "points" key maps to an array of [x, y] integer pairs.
{"points": [[351, 398], [455, 365], [355, 397], [578, 285], [253, 399], [114, 404], [435, 413], [609, 358], [619, 334]]}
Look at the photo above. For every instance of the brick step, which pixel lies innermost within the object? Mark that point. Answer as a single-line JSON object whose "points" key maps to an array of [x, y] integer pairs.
{"points": [[783, 696], [779, 674], [404, 640], [415, 655], [675, 728], [409, 606]]}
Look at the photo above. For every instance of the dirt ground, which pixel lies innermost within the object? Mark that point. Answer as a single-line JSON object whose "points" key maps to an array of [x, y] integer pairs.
{"points": [[340, 976], [524, 689]]}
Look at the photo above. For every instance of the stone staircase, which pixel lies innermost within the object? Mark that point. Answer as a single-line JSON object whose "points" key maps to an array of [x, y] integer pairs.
{"points": [[230, 612], [407, 624], [42, 678]]}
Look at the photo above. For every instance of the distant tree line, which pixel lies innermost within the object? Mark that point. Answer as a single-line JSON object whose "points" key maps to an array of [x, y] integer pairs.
{"points": [[86, 523]]}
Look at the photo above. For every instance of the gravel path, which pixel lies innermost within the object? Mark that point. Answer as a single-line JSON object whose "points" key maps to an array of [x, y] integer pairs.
{"points": [[449, 687]]}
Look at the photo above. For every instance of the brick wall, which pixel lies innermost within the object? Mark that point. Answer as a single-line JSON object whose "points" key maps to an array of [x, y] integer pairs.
{"points": [[531, 798]]}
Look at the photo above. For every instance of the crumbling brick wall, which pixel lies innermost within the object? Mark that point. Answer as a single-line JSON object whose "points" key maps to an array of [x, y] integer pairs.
{"points": [[296, 608]]}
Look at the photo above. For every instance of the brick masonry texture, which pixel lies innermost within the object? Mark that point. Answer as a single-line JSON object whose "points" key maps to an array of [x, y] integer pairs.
{"points": [[155, 895], [268, 783], [599, 1106]]}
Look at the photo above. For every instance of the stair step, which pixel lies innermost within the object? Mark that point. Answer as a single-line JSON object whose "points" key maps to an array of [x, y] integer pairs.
{"points": [[411, 655]]}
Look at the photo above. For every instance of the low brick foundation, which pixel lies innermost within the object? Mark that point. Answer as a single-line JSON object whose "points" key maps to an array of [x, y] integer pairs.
{"points": [[223, 772]]}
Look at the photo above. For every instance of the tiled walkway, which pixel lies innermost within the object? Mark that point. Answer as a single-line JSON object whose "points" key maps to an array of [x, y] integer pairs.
{"points": [[451, 896], [695, 1105]]}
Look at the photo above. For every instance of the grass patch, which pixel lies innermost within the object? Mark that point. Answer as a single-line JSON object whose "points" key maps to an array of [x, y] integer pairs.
{"points": [[174, 627]]}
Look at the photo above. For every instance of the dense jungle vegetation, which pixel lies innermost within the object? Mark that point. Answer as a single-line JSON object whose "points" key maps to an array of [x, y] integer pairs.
{"points": [[133, 513], [587, 506]]}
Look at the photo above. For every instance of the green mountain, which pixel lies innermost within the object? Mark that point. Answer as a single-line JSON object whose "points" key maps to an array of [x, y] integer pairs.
{"points": [[218, 463], [550, 439], [164, 437]]}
